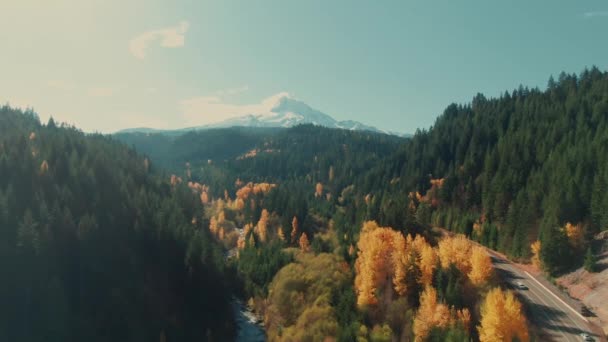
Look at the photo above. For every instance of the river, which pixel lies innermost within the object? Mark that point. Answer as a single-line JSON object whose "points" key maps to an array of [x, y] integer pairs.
{"points": [[248, 328]]}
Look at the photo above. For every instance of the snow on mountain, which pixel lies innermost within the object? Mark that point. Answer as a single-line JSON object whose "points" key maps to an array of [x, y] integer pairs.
{"points": [[282, 110]]}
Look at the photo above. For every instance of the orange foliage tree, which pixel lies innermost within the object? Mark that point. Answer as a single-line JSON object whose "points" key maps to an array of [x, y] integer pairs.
{"points": [[318, 190], [379, 251], [455, 250], [213, 227], [294, 229], [481, 266], [262, 226], [204, 197], [536, 247], [280, 234], [427, 262], [575, 235], [430, 314], [304, 243], [502, 318]]}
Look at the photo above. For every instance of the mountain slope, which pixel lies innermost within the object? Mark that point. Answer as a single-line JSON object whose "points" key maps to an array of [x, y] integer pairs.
{"points": [[282, 111], [95, 247]]}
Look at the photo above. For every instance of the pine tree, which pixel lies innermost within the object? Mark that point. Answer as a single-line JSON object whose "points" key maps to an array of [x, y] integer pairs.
{"points": [[590, 261]]}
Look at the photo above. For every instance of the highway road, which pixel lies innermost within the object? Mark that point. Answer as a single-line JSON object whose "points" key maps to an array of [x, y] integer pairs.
{"points": [[558, 320]]}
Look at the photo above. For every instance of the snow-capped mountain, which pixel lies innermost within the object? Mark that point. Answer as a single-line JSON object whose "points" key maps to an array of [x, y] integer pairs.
{"points": [[281, 110]]}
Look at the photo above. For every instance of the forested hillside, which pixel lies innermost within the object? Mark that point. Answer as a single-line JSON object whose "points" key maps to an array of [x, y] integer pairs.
{"points": [[530, 165], [93, 247], [524, 173], [325, 232], [527, 166]]}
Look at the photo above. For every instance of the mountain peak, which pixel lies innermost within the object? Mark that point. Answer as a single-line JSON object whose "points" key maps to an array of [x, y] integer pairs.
{"points": [[284, 110]]}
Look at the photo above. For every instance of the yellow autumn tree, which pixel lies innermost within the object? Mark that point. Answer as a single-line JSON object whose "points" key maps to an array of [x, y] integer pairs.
{"points": [[318, 190], [575, 235], [502, 318], [463, 316], [416, 254], [481, 266], [427, 263], [351, 250], [175, 180], [204, 197], [430, 314], [536, 247], [455, 250], [280, 234], [294, 229], [380, 249], [477, 228], [262, 226], [304, 243], [401, 265], [247, 229], [213, 227], [240, 243]]}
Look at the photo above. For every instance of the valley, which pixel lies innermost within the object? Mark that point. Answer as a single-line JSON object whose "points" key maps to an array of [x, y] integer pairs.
{"points": [[318, 232]]}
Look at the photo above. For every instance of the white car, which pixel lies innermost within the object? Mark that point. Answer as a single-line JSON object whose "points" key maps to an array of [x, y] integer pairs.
{"points": [[521, 285], [586, 337]]}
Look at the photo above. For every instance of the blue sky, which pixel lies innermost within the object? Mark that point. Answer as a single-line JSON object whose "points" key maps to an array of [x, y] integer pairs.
{"points": [[107, 65]]}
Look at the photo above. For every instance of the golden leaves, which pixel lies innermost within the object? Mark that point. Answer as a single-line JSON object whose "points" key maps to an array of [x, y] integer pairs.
{"points": [[318, 190], [481, 266], [261, 228], [304, 243], [469, 259], [536, 248], [380, 251], [430, 314], [575, 235], [294, 229], [433, 314], [502, 318], [175, 180], [251, 188], [204, 197], [455, 250]]}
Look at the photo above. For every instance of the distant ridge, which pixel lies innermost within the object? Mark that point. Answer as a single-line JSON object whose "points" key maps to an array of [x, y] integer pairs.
{"points": [[284, 111]]}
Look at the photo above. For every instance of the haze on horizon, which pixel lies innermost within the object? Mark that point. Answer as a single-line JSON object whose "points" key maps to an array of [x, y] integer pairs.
{"points": [[109, 65]]}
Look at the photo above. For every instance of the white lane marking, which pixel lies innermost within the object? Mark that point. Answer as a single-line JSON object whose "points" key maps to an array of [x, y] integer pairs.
{"points": [[560, 316], [537, 298], [555, 304], [533, 297], [554, 295]]}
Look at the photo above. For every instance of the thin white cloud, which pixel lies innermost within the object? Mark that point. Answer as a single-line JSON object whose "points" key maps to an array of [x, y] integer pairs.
{"points": [[170, 37], [211, 109], [101, 91], [596, 14]]}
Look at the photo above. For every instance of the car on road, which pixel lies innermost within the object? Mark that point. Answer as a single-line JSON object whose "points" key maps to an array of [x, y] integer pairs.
{"points": [[586, 337], [521, 285], [586, 312]]}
